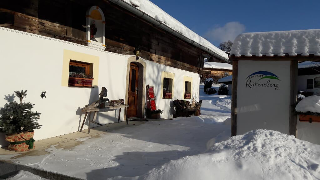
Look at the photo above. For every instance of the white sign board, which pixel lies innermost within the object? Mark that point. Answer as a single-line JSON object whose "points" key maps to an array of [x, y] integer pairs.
{"points": [[263, 96]]}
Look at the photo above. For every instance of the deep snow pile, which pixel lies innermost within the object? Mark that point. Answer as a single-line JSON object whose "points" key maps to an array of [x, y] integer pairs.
{"points": [[259, 154], [309, 104], [279, 43]]}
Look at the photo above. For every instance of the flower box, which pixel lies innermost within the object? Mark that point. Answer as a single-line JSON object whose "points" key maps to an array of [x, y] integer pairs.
{"points": [[154, 116], [80, 82], [309, 118], [187, 96], [167, 95]]}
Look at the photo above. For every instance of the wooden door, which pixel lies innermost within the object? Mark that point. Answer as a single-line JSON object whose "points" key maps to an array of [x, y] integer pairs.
{"points": [[133, 91]]}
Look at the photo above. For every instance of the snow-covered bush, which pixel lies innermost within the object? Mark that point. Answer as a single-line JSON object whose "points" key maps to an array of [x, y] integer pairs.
{"points": [[207, 84], [211, 91], [223, 90]]}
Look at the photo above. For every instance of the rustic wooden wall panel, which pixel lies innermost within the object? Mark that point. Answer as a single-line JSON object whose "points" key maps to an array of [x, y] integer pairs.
{"points": [[124, 31]]}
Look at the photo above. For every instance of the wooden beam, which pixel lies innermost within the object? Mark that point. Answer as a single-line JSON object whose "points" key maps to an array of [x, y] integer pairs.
{"points": [[293, 97], [215, 69], [298, 57], [234, 98]]}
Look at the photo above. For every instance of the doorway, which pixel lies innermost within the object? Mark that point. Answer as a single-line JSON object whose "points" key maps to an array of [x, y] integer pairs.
{"points": [[135, 88], [133, 91]]}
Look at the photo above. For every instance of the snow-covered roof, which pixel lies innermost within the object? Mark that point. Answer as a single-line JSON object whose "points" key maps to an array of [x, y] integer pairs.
{"points": [[209, 79], [217, 65], [280, 43], [308, 64], [225, 79], [152, 10]]}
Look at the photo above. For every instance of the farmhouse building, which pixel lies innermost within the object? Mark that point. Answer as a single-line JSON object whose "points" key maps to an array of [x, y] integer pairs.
{"points": [[215, 70], [71, 49]]}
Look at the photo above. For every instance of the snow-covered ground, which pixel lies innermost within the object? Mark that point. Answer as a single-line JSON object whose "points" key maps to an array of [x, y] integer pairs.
{"points": [[186, 149], [130, 153]]}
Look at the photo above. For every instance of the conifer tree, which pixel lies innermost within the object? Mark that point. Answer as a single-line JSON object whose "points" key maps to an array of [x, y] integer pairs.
{"points": [[18, 117]]}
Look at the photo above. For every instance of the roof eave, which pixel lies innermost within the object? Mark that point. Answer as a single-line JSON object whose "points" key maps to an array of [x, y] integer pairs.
{"points": [[157, 23]]}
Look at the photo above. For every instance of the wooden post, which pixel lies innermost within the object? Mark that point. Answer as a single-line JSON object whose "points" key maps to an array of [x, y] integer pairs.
{"points": [[89, 122], [293, 97], [234, 97], [84, 120], [119, 115], [94, 116]]}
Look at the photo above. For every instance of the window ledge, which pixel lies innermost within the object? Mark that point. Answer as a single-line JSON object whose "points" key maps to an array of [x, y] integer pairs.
{"points": [[80, 82], [167, 96]]}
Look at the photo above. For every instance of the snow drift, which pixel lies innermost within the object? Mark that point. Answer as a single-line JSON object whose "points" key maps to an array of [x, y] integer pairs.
{"points": [[309, 104], [258, 154]]}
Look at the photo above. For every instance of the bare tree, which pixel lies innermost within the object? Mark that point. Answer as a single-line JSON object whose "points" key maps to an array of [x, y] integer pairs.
{"points": [[226, 46]]}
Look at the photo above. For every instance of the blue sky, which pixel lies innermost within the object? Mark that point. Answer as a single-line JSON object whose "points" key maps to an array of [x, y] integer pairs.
{"points": [[220, 20]]}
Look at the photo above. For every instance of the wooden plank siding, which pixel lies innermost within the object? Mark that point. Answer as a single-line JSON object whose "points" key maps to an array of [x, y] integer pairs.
{"points": [[293, 97], [287, 57], [124, 31]]}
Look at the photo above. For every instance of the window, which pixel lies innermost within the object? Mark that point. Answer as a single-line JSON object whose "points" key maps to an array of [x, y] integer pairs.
{"points": [[167, 85], [95, 28], [187, 90], [167, 88], [317, 82], [309, 83], [80, 74]]}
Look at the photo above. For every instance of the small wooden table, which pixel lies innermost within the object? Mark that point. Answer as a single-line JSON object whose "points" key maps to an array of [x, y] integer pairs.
{"points": [[93, 108]]}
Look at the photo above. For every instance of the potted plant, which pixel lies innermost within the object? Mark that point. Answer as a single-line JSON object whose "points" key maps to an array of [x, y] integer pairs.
{"points": [[18, 121], [153, 114]]}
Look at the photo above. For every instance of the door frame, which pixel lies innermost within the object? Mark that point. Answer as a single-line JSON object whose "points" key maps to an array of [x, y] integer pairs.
{"points": [[141, 85]]}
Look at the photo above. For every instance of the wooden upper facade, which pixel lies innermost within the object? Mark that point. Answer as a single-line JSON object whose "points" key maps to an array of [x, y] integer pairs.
{"points": [[125, 33]]}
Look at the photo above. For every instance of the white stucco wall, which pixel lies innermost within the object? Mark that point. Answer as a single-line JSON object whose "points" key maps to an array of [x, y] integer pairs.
{"points": [[305, 130], [35, 63], [308, 131], [153, 73], [263, 107], [302, 83]]}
